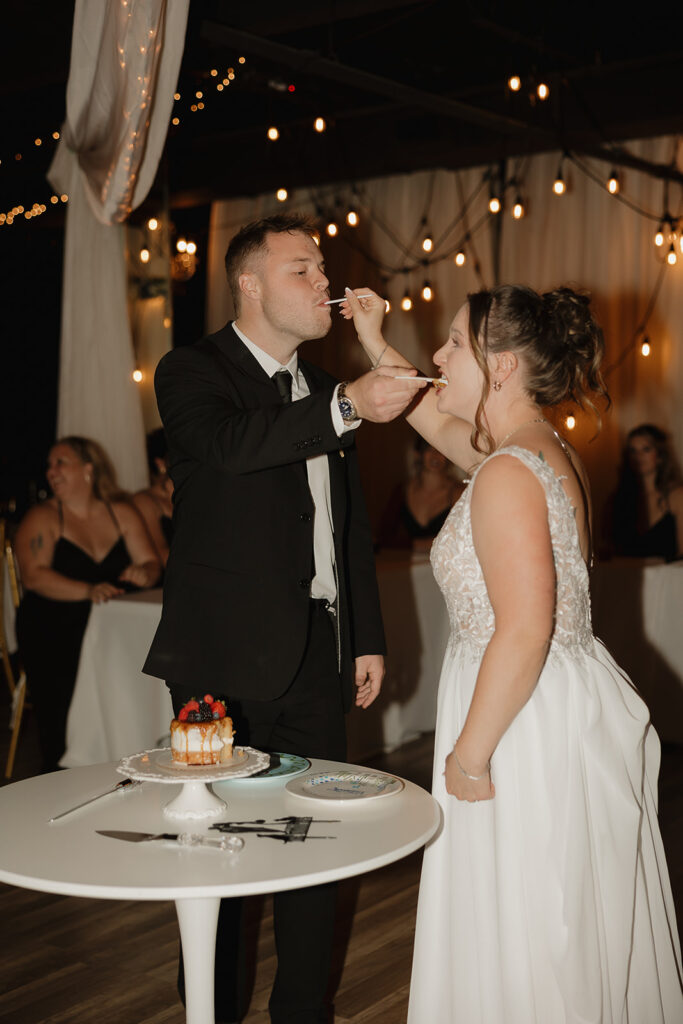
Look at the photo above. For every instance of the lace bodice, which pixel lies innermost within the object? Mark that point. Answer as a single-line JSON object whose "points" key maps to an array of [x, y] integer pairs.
{"points": [[458, 573]]}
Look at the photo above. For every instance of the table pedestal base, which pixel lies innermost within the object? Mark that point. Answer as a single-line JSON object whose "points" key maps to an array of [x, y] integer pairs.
{"points": [[198, 920]]}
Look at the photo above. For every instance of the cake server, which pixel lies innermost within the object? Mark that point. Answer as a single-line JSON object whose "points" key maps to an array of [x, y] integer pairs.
{"points": [[123, 785], [233, 843]]}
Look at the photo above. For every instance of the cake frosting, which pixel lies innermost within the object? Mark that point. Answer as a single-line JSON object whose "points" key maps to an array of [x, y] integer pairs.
{"points": [[202, 733]]}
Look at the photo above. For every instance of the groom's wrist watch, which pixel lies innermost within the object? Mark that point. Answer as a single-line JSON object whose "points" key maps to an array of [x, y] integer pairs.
{"points": [[346, 406]]}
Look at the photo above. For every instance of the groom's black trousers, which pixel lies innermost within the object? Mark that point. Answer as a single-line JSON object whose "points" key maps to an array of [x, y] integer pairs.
{"points": [[308, 719]]}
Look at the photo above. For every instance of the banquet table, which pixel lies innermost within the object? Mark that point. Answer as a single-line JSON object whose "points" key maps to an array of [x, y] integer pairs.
{"points": [[116, 709], [68, 856], [638, 614]]}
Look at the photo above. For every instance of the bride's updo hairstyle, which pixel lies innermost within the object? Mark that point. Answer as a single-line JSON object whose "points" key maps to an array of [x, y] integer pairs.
{"points": [[559, 344]]}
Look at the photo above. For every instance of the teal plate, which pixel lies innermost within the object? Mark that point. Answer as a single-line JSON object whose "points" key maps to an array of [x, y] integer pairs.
{"points": [[286, 766]]}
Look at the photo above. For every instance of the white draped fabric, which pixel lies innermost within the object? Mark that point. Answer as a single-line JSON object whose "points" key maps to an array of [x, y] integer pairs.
{"points": [[125, 58], [587, 238]]}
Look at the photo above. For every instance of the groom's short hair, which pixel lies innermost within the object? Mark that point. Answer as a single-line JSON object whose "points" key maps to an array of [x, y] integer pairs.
{"points": [[252, 240]]}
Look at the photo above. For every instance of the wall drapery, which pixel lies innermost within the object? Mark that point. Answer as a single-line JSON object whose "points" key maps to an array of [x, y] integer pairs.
{"points": [[586, 238], [125, 58]]}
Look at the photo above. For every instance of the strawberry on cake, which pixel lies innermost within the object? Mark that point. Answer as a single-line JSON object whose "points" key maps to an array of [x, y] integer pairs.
{"points": [[202, 733]]}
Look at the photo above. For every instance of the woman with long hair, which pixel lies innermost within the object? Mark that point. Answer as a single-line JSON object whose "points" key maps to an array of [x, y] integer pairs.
{"points": [[86, 544]]}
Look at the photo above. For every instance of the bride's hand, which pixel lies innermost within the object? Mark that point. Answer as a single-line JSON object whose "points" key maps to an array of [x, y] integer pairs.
{"points": [[464, 788], [367, 312]]}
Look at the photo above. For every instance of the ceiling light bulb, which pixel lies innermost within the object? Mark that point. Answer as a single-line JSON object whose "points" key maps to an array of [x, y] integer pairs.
{"points": [[559, 186], [671, 256], [460, 258], [518, 208], [191, 248], [645, 348], [427, 243], [319, 124], [406, 303], [281, 194], [332, 229], [273, 134], [659, 237], [352, 219], [494, 204], [137, 376], [542, 91], [570, 422], [427, 293], [144, 255], [152, 223], [613, 183], [181, 245], [514, 83]]}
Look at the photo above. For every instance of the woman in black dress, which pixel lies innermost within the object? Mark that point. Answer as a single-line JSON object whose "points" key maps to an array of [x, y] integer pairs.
{"points": [[82, 545], [647, 515]]}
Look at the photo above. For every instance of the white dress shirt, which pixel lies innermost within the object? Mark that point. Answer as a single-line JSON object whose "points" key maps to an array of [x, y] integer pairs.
{"points": [[323, 584]]}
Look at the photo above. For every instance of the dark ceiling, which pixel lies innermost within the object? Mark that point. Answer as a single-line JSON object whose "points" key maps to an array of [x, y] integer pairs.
{"points": [[402, 85]]}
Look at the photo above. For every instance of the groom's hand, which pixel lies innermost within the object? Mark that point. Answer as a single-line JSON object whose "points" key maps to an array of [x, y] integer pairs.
{"points": [[369, 676], [379, 397]]}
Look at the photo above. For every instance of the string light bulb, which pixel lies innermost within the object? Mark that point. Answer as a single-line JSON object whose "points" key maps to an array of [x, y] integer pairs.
{"points": [[645, 348], [542, 91], [518, 208], [406, 302], [659, 235], [613, 183], [570, 421], [332, 229], [352, 219], [273, 133], [320, 124], [152, 223], [460, 258], [138, 376], [514, 83], [494, 204], [281, 194], [181, 245], [144, 255], [671, 256], [427, 292], [427, 241], [559, 185], [191, 248]]}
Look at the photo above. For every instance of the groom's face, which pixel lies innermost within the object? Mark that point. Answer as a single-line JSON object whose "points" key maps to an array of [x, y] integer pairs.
{"points": [[293, 286]]}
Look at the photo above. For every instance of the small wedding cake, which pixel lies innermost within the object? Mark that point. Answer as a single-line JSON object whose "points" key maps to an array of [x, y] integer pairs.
{"points": [[202, 733]]}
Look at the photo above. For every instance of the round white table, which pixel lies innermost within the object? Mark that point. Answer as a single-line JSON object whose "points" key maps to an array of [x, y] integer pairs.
{"points": [[70, 857]]}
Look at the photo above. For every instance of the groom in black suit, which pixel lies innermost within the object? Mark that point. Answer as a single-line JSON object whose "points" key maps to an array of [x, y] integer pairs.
{"points": [[270, 595]]}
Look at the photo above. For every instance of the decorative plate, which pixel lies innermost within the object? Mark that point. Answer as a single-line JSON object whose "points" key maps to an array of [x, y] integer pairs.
{"points": [[285, 766], [345, 785], [158, 766]]}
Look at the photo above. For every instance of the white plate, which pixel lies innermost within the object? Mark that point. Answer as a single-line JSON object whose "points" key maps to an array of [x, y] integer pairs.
{"points": [[345, 785], [158, 766]]}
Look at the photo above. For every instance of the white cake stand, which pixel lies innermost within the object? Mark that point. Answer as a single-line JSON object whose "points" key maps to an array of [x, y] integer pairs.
{"points": [[195, 799]]}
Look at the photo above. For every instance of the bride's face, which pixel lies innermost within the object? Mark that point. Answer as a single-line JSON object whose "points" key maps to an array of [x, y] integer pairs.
{"points": [[456, 362]]}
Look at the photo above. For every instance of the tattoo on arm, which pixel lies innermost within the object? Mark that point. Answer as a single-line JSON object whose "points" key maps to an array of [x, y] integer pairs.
{"points": [[36, 544]]}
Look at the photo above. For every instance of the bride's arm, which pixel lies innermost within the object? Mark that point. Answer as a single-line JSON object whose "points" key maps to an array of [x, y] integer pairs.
{"points": [[448, 434], [512, 542]]}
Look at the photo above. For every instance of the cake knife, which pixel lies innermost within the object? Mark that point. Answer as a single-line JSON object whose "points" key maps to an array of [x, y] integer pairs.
{"points": [[123, 786], [232, 843]]}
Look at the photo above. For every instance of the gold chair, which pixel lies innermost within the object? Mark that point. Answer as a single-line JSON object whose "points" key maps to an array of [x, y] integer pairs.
{"points": [[15, 676]]}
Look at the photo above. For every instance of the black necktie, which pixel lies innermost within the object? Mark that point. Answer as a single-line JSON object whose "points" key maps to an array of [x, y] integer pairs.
{"points": [[283, 380]]}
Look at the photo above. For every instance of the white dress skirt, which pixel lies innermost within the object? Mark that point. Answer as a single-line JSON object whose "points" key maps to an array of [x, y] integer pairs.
{"points": [[551, 903]]}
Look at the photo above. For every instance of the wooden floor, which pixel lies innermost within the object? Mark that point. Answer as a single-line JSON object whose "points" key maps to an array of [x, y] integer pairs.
{"points": [[84, 961]]}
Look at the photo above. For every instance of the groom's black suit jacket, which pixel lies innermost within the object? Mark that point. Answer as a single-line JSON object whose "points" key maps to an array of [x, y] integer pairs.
{"points": [[236, 590]]}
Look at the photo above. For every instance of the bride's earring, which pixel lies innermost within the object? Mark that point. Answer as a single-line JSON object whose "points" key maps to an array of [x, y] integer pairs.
{"points": [[497, 385]]}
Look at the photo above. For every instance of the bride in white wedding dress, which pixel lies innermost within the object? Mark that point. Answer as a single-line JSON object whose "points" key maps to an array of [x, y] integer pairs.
{"points": [[545, 898]]}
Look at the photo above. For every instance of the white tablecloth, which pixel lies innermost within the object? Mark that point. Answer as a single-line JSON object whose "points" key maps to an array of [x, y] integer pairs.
{"points": [[638, 614], [116, 710]]}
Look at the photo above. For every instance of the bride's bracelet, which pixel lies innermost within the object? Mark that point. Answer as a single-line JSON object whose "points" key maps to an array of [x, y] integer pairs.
{"points": [[381, 356], [474, 778]]}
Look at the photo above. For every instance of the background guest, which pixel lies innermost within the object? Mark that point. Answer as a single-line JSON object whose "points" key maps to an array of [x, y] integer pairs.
{"points": [[85, 544], [417, 510], [155, 503], [647, 512]]}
